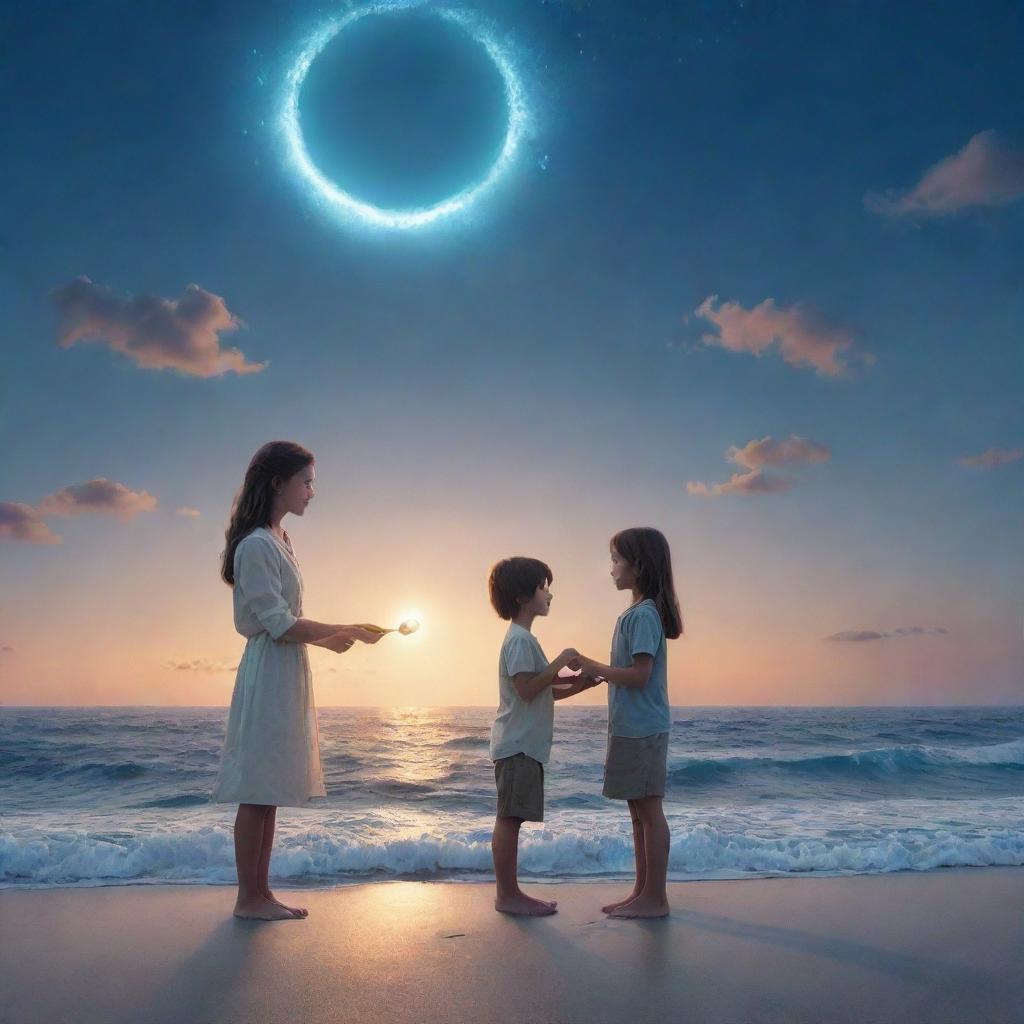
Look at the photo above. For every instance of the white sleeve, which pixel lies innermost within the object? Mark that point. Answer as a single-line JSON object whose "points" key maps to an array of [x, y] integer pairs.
{"points": [[522, 655], [259, 577]]}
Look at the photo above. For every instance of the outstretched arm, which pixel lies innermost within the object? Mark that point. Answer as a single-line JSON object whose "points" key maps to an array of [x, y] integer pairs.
{"points": [[636, 674], [578, 685], [308, 631], [258, 578], [529, 684]]}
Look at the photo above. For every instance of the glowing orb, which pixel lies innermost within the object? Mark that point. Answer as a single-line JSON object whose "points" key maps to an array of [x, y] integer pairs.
{"points": [[410, 622], [347, 205]]}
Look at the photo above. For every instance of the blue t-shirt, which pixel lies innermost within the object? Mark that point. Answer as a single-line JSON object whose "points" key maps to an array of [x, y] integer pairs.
{"points": [[639, 710]]}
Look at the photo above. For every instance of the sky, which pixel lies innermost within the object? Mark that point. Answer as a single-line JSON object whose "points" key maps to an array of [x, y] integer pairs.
{"points": [[750, 273]]}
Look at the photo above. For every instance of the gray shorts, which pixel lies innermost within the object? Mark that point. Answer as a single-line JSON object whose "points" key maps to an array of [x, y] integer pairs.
{"points": [[520, 782], [635, 766]]}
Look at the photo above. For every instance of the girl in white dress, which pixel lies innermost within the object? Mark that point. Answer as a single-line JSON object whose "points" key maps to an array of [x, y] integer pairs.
{"points": [[271, 755]]}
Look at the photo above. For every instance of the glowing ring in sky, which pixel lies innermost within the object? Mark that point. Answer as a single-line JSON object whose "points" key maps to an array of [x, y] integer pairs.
{"points": [[346, 204]]}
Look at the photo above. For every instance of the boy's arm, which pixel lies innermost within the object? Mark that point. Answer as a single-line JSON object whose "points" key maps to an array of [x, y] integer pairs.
{"points": [[529, 684], [584, 682]]}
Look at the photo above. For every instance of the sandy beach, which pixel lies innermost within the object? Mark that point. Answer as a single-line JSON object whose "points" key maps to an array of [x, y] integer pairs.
{"points": [[935, 946]]}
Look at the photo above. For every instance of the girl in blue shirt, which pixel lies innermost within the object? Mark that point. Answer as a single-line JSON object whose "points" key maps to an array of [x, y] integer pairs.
{"points": [[639, 719]]}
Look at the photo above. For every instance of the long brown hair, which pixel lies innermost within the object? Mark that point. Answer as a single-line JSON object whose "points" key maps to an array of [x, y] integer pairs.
{"points": [[275, 461], [647, 551]]}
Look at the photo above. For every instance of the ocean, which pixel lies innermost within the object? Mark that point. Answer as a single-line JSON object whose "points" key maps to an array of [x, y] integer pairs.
{"points": [[101, 796]]}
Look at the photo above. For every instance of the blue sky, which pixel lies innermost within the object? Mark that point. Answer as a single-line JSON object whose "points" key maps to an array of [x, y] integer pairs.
{"points": [[534, 370]]}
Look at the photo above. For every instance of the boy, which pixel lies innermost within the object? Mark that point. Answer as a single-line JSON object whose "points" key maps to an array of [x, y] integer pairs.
{"points": [[521, 735]]}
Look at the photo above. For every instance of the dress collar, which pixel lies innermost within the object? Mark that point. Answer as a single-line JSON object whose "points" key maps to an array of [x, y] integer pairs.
{"points": [[285, 545]]}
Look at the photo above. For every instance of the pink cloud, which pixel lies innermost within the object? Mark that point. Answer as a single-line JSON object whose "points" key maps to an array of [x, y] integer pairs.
{"points": [[804, 338], [862, 635], [200, 665], [992, 458], [753, 456], [754, 482], [187, 513], [986, 172], [156, 334], [22, 522], [99, 495], [768, 452]]}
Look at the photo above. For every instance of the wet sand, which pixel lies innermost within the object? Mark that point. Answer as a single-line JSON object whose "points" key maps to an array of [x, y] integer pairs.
{"points": [[942, 946]]}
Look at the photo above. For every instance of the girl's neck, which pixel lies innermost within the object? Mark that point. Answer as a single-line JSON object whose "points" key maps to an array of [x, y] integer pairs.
{"points": [[275, 523], [637, 597]]}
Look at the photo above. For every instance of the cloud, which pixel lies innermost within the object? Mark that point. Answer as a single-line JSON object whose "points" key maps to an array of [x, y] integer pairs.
{"points": [[992, 458], [22, 522], [804, 338], [860, 635], [344, 670], [767, 452], [156, 334], [188, 513], [986, 172], [6, 649], [200, 665], [99, 495], [754, 455], [754, 482]]}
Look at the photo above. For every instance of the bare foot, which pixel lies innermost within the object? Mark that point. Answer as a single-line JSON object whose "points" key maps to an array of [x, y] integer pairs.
{"points": [[609, 907], [296, 911], [642, 907], [524, 905], [262, 909]]}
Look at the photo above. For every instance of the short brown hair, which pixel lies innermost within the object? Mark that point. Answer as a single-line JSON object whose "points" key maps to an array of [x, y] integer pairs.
{"points": [[515, 578]]}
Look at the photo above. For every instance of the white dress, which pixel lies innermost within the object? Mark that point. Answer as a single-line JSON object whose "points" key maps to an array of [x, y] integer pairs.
{"points": [[271, 750]]}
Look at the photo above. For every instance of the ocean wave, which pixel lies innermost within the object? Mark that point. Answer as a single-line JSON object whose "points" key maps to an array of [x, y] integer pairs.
{"points": [[466, 742], [87, 769], [51, 768], [1010, 753], [398, 788], [183, 800], [206, 854], [907, 759]]}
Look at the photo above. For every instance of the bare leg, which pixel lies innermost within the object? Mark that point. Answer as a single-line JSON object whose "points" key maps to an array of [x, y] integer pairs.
{"points": [[269, 821], [251, 903], [639, 857], [653, 898], [505, 850]]}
